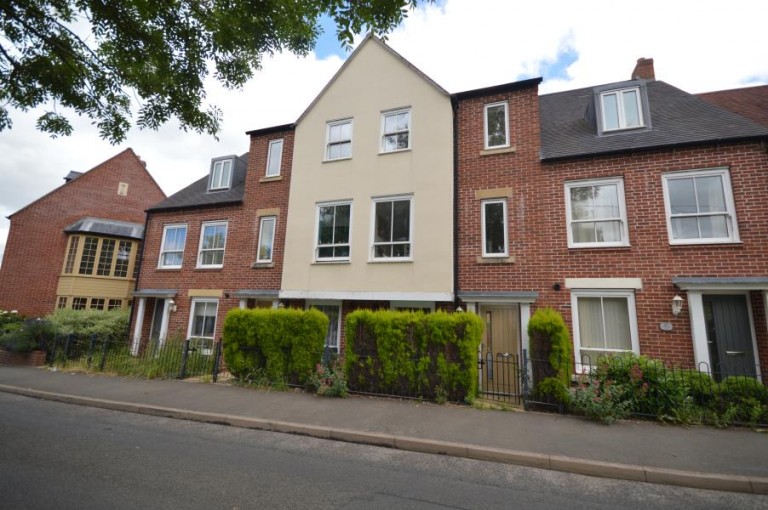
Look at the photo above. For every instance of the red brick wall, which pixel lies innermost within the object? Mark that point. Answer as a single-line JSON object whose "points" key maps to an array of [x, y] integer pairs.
{"points": [[36, 245], [237, 272], [538, 228]]}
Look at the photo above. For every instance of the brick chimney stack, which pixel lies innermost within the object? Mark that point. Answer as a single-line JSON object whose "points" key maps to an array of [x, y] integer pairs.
{"points": [[644, 70]]}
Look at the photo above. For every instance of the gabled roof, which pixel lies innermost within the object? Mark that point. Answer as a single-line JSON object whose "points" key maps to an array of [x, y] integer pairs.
{"points": [[75, 178], [197, 194], [111, 228], [749, 102], [370, 39], [677, 118]]}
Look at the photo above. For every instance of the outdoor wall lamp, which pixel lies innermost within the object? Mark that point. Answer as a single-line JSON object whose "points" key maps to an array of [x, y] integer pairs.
{"points": [[677, 305], [459, 309], [172, 305]]}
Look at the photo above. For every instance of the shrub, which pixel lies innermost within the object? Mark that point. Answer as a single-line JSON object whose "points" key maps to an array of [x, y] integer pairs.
{"points": [[328, 380], [111, 325], [413, 354], [286, 344], [27, 336], [743, 399], [550, 355], [603, 401]]}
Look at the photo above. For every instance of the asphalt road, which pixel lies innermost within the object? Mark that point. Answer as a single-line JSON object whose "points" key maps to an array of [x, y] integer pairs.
{"points": [[62, 456]]}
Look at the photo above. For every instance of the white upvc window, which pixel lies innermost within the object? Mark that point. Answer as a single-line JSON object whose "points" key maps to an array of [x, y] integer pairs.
{"points": [[274, 158], [172, 247], [699, 207], [213, 238], [621, 109], [396, 130], [334, 222], [596, 213], [338, 140], [496, 125], [266, 239], [392, 228], [494, 219], [202, 324], [604, 324], [332, 309], [221, 175]]}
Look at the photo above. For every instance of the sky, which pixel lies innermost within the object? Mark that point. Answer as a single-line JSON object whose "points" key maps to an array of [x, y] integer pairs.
{"points": [[698, 46]]}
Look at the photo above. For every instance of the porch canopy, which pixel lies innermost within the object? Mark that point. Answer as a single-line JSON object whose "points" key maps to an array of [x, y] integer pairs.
{"points": [[155, 293]]}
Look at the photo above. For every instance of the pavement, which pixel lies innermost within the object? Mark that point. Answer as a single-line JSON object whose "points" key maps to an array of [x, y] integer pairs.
{"points": [[734, 459]]}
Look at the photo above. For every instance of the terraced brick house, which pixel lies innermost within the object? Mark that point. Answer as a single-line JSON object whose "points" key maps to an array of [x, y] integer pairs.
{"points": [[215, 245], [643, 222], [76, 246]]}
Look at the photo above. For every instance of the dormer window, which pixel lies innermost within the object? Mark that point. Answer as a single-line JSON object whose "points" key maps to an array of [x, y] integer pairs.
{"points": [[622, 109], [221, 175]]}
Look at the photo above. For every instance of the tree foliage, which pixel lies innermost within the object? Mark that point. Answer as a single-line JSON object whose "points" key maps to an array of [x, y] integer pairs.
{"points": [[93, 56]]}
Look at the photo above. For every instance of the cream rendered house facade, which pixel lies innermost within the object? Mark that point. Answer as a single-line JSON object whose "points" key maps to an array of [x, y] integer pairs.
{"points": [[370, 215]]}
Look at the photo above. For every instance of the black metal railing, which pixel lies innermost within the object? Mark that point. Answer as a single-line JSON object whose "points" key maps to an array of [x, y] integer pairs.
{"points": [[166, 360]]}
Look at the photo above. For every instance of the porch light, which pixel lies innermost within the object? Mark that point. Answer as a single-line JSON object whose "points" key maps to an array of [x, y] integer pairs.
{"points": [[677, 305], [172, 305], [459, 309]]}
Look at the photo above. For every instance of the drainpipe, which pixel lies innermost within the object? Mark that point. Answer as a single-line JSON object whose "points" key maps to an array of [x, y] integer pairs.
{"points": [[454, 107]]}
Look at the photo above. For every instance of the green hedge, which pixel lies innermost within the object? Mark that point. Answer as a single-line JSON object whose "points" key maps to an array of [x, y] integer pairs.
{"points": [[285, 344], [413, 354], [109, 325], [550, 347]]}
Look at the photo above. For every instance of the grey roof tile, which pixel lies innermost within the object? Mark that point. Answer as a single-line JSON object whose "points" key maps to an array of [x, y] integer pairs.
{"points": [[676, 118], [112, 228], [197, 194]]}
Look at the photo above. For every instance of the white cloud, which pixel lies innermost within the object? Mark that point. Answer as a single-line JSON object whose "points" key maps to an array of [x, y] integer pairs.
{"points": [[461, 44]]}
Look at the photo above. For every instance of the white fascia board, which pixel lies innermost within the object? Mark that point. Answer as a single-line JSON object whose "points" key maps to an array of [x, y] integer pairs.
{"points": [[365, 295]]}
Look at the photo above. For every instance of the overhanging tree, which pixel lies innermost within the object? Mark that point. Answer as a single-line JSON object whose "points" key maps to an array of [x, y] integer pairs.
{"points": [[91, 57]]}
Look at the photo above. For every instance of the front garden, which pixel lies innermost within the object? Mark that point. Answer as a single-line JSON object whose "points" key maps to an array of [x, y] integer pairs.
{"points": [[403, 354]]}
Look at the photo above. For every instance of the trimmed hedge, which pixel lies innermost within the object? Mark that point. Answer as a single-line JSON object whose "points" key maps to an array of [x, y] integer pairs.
{"points": [[413, 354], [285, 344], [550, 347]]}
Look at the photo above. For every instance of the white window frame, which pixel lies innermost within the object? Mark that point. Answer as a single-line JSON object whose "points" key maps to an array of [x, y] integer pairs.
{"points": [[328, 142], [619, 93], [317, 257], [619, 182], [486, 138], [217, 180], [603, 293], [262, 221], [372, 243], [337, 305], [205, 224], [166, 228], [730, 209], [274, 154], [212, 338], [427, 306], [503, 202], [384, 133]]}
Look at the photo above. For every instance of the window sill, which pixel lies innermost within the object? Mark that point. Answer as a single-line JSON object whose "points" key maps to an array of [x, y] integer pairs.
{"points": [[262, 265], [705, 243], [499, 150], [209, 268], [390, 261], [383, 153], [337, 159], [599, 247], [496, 260], [330, 262], [272, 178], [178, 268]]}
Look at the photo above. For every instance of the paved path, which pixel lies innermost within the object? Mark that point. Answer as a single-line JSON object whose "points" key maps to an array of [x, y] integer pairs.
{"points": [[703, 457]]}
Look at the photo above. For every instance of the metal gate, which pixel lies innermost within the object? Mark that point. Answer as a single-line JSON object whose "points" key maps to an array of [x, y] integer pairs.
{"points": [[499, 376]]}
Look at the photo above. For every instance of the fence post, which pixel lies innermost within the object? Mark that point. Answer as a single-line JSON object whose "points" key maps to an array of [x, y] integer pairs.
{"points": [[525, 379], [55, 348], [216, 361], [184, 354], [103, 356], [90, 351], [66, 345]]}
